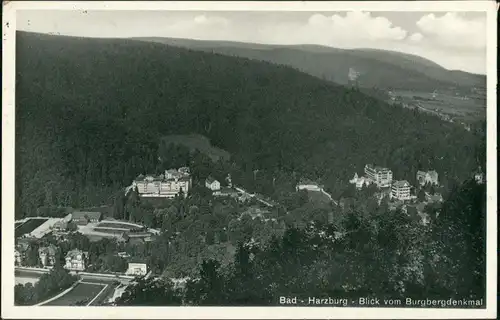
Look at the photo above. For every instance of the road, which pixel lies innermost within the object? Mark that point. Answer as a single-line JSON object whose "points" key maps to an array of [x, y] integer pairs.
{"points": [[28, 272], [252, 195], [258, 197]]}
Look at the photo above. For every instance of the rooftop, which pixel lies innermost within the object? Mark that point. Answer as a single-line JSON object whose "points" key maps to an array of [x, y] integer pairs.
{"points": [[210, 180], [401, 184], [50, 250], [73, 253], [377, 168], [228, 190], [83, 214], [306, 181], [161, 178]]}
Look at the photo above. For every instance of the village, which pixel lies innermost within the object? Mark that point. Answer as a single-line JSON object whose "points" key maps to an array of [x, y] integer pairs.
{"points": [[178, 183]]}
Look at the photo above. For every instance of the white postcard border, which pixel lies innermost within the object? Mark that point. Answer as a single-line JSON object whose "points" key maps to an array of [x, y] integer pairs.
{"points": [[8, 142]]}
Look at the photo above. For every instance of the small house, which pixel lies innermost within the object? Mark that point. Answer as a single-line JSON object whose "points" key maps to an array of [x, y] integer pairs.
{"points": [[137, 269], [47, 255], [75, 260], [212, 184]]}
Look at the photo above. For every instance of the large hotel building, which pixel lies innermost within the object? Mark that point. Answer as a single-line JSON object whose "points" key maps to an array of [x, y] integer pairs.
{"points": [[382, 177], [401, 190], [164, 186]]}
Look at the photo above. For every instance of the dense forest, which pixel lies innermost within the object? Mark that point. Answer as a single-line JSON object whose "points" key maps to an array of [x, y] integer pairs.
{"points": [[383, 254], [90, 114]]}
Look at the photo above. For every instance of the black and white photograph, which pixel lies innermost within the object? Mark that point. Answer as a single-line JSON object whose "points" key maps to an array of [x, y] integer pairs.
{"points": [[288, 160]]}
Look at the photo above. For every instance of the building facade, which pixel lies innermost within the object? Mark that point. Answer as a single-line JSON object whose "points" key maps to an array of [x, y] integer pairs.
{"points": [[425, 177], [381, 176], [136, 269], [75, 260], [400, 190], [169, 185]]}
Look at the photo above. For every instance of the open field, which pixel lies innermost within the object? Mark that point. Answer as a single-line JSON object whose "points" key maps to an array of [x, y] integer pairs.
{"points": [[83, 294], [29, 226], [195, 141], [447, 103]]}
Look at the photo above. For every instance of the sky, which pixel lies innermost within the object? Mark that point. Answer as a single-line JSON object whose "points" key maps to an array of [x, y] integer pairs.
{"points": [[455, 40]]}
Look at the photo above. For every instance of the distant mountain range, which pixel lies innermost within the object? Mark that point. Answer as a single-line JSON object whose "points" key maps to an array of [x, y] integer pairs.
{"points": [[377, 68]]}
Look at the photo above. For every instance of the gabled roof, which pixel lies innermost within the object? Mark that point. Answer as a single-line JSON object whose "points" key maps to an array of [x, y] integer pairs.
{"points": [[50, 250], [82, 214], [211, 180], [73, 253]]}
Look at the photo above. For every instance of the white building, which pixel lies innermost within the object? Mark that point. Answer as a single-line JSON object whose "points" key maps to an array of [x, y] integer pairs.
{"points": [[479, 177], [137, 269], [75, 260], [308, 185], [382, 177], [164, 186], [424, 177], [212, 184], [360, 181], [401, 190]]}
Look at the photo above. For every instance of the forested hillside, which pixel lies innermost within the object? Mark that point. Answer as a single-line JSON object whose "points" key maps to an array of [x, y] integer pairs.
{"points": [[90, 114], [385, 255], [378, 68]]}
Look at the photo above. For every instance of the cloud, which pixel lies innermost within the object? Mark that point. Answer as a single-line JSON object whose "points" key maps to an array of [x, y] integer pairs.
{"points": [[454, 40], [416, 37], [453, 30], [356, 26], [205, 20]]}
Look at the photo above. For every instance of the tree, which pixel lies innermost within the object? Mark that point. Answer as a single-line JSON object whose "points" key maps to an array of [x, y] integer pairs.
{"points": [[421, 195], [32, 256], [150, 292], [49, 284], [210, 237], [119, 206], [208, 290]]}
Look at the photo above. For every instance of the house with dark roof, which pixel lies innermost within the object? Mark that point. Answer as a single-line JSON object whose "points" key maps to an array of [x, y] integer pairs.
{"points": [[84, 217], [47, 255]]}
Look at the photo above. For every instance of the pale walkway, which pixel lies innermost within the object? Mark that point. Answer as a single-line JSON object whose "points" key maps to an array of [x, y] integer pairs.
{"points": [[59, 295]]}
